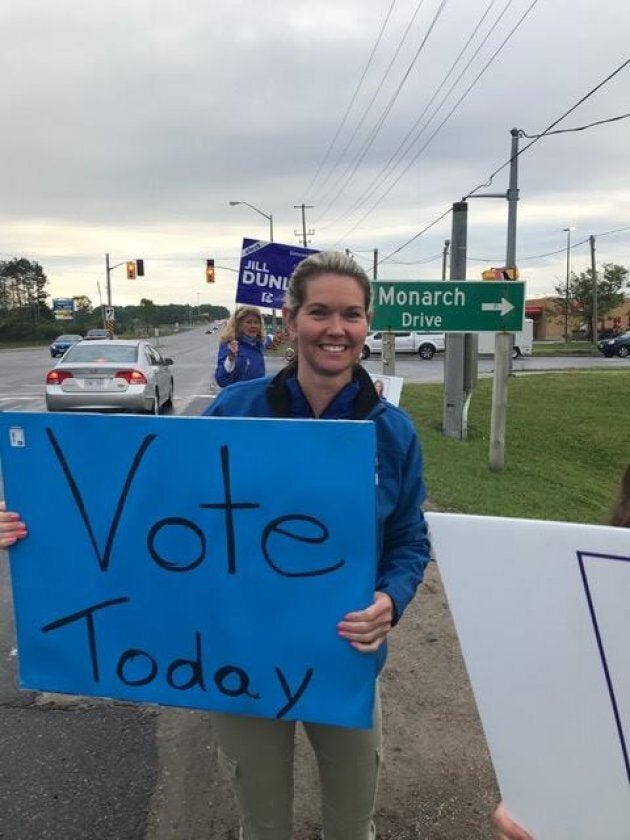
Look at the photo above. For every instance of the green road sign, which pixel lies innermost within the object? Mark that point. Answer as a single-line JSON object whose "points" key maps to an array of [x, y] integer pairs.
{"points": [[449, 306]]}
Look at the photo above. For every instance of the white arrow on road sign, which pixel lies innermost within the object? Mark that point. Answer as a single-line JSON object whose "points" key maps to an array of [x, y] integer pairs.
{"points": [[504, 307]]}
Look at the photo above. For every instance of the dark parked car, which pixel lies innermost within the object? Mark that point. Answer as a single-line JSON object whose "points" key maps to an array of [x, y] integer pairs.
{"points": [[619, 346], [607, 333], [61, 344]]}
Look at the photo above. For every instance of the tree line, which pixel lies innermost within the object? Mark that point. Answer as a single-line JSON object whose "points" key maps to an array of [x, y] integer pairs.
{"points": [[577, 298], [27, 315]]}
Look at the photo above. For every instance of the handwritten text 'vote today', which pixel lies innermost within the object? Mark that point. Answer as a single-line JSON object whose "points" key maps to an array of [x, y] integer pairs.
{"points": [[138, 667]]}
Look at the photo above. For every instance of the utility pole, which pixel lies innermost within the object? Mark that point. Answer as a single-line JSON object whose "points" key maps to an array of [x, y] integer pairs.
{"points": [[504, 341], [304, 208], [375, 270], [591, 240], [455, 362], [108, 286]]}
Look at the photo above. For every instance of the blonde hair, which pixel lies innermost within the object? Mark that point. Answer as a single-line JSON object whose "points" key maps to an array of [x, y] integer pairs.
{"points": [[233, 328], [324, 262]]}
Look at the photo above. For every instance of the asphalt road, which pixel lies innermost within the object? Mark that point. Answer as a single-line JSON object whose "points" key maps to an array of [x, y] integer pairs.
{"points": [[76, 768]]}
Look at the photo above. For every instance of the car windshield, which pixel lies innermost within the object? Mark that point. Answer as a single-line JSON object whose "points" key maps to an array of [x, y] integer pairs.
{"points": [[101, 353], [68, 338]]}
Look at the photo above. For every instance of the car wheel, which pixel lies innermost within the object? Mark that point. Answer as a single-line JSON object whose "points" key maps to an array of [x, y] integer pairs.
{"points": [[623, 351], [426, 351], [516, 352], [365, 353]]}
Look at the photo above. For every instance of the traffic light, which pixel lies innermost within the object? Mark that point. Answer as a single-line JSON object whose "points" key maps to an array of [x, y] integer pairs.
{"points": [[209, 271], [131, 270], [140, 268], [500, 274]]}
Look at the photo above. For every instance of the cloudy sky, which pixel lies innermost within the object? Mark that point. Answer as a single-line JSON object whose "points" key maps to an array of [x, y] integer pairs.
{"points": [[130, 125]]}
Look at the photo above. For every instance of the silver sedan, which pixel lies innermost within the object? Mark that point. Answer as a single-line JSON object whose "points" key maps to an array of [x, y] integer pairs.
{"points": [[111, 375]]}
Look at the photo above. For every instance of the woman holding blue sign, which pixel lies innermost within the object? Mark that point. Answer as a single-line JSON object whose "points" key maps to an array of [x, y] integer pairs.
{"points": [[326, 312], [243, 344]]}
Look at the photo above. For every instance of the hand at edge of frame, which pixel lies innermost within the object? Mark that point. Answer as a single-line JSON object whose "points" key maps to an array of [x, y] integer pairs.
{"points": [[12, 528], [505, 827]]}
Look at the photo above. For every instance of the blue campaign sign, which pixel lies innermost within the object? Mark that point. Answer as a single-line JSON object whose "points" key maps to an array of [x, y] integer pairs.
{"points": [[265, 270], [180, 561]]}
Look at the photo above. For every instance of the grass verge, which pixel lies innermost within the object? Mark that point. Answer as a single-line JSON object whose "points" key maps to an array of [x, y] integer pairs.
{"points": [[567, 441]]}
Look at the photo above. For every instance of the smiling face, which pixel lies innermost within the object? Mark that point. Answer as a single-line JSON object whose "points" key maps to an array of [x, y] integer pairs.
{"points": [[330, 327]]}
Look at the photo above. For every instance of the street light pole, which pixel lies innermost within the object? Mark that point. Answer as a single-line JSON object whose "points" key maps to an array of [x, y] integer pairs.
{"points": [[567, 230], [269, 218]]}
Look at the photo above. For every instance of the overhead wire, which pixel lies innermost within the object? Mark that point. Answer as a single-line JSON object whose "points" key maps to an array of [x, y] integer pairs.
{"points": [[562, 250], [399, 153], [444, 121], [379, 123], [353, 99], [488, 182], [579, 127], [552, 125]]}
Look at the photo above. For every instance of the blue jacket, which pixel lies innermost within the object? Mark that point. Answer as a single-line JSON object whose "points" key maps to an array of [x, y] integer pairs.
{"points": [[249, 363], [402, 542]]}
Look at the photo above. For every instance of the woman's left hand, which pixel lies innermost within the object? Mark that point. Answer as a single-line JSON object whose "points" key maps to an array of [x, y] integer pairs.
{"points": [[12, 528], [366, 629], [505, 827]]}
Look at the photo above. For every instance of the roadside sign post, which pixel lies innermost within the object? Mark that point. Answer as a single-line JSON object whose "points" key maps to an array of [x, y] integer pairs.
{"points": [[389, 354], [460, 351]]}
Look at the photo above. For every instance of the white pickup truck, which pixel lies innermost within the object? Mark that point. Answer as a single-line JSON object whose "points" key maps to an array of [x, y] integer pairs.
{"points": [[426, 345]]}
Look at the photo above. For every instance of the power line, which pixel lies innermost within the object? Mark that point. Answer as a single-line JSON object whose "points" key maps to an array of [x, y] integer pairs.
{"points": [[385, 113], [401, 151], [549, 127], [559, 250], [507, 163], [579, 128], [352, 101], [445, 120]]}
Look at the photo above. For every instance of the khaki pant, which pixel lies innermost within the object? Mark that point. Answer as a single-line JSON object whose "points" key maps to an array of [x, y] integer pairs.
{"points": [[257, 755]]}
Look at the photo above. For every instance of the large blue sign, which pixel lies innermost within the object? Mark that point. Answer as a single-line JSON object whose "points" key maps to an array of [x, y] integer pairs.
{"points": [[63, 308], [265, 270], [176, 560]]}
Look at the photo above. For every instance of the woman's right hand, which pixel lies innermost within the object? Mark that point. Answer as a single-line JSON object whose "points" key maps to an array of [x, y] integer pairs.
{"points": [[12, 528], [233, 349]]}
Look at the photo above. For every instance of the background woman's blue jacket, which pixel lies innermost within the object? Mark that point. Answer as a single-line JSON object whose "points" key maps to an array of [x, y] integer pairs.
{"points": [[402, 541], [249, 362]]}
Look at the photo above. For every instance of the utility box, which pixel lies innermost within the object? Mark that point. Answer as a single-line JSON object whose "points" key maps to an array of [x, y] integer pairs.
{"points": [[523, 341]]}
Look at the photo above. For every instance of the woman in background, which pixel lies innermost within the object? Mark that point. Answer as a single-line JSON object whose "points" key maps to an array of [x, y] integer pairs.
{"points": [[243, 344]]}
